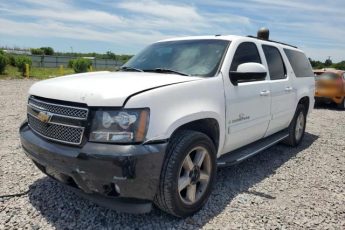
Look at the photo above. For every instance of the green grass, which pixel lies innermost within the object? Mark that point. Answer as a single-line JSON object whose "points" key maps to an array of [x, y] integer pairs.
{"points": [[37, 73], [44, 73]]}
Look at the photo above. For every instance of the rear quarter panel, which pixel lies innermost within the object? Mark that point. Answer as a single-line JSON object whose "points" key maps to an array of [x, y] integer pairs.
{"points": [[304, 86]]}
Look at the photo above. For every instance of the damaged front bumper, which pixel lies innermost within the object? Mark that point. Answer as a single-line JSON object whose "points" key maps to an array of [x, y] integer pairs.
{"points": [[123, 177]]}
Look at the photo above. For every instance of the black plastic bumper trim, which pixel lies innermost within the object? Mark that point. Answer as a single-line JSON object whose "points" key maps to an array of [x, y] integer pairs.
{"points": [[133, 206], [95, 167]]}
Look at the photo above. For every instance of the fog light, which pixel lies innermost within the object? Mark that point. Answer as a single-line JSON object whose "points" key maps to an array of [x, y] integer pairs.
{"points": [[120, 136], [111, 136]]}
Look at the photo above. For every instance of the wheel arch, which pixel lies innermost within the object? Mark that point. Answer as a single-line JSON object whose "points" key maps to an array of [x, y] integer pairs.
{"points": [[208, 126], [306, 102]]}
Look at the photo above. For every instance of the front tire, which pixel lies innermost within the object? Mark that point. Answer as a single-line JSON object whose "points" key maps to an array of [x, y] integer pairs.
{"points": [[297, 127], [188, 174]]}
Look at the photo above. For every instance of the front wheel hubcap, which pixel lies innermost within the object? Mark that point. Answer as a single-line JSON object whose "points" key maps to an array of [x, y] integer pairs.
{"points": [[194, 175]]}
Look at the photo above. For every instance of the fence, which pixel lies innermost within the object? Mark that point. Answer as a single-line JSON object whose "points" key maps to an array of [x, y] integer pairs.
{"points": [[56, 61]]}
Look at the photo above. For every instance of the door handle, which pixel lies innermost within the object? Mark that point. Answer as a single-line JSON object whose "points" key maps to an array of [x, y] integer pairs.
{"points": [[265, 93], [288, 89]]}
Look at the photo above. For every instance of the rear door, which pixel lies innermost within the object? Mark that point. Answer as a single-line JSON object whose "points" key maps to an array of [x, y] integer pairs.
{"points": [[283, 95]]}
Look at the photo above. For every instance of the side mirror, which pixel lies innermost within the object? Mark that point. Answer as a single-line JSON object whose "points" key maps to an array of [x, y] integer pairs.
{"points": [[248, 72]]}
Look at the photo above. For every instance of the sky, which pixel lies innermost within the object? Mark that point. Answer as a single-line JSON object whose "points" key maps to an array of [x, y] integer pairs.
{"points": [[126, 27]]}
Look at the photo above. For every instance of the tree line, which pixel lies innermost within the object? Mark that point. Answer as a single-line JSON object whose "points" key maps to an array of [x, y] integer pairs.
{"points": [[328, 63], [108, 55]]}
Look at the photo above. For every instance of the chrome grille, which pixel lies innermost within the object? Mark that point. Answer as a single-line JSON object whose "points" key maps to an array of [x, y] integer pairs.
{"points": [[63, 110], [66, 123], [56, 132]]}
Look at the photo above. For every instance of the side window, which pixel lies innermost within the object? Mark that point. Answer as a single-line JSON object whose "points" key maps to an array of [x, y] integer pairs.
{"points": [[275, 62], [299, 63], [246, 52]]}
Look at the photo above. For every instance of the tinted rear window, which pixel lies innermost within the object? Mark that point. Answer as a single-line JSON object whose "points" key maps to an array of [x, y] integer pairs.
{"points": [[275, 62], [299, 63]]}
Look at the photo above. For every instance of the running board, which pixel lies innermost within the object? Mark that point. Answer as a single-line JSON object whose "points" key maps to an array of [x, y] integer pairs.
{"points": [[250, 150]]}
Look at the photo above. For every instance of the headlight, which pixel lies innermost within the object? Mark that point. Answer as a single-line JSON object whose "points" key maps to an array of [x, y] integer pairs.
{"points": [[120, 126]]}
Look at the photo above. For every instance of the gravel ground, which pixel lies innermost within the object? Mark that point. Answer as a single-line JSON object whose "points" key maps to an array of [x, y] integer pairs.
{"points": [[281, 188]]}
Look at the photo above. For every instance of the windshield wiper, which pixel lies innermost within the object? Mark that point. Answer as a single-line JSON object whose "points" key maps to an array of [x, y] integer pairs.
{"points": [[162, 70], [128, 68]]}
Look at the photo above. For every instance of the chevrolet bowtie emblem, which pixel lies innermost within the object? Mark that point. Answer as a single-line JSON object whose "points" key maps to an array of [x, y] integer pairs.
{"points": [[44, 116]]}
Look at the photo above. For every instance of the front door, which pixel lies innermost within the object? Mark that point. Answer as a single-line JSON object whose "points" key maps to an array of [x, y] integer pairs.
{"points": [[248, 103]]}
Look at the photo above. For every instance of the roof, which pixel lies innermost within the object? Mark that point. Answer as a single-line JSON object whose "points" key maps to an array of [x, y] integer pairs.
{"points": [[206, 37], [231, 38]]}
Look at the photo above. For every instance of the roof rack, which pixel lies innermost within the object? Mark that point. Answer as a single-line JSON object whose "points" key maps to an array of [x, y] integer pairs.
{"points": [[264, 34], [272, 41]]}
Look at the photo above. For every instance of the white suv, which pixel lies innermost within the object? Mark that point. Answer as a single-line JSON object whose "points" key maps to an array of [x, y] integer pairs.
{"points": [[157, 130]]}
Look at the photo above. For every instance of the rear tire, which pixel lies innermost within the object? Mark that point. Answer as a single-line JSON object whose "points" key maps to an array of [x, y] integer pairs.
{"points": [[297, 127], [188, 174]]}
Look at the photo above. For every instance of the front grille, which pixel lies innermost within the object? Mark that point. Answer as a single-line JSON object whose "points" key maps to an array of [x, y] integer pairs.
{"points": [[56, 132], [64, 110], [65, 123]]}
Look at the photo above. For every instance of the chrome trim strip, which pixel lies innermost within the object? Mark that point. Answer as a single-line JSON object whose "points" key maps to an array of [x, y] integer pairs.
{"points": [[35, 107], [55, 123], [38, 109], [59, 105], [53, 139]]}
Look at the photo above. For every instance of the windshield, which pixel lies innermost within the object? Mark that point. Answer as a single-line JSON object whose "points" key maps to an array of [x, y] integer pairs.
{"points": [[187, 57]]}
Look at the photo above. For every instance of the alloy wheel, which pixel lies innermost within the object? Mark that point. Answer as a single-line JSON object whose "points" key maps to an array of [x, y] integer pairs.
{"points": [[194, 175]]}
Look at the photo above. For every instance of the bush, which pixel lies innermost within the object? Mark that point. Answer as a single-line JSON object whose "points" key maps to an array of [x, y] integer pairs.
{"points": [[21, 61], [81, 65], [111, 55], [47, 50], [37, 51], [11, 60], [70, 63], [2, 52], [3, 63], [340, 65]]}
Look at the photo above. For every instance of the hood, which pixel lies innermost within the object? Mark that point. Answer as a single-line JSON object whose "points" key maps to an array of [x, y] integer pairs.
{"points": [[103, 88]]}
